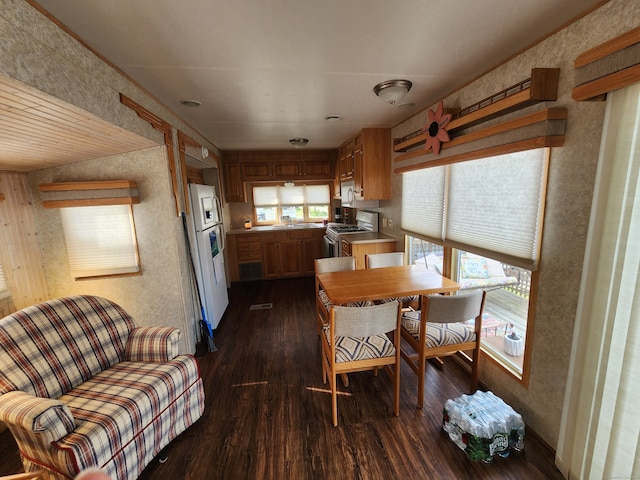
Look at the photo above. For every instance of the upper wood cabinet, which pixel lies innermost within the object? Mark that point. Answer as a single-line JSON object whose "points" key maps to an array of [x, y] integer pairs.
{"points": [[276, 166], [366, 159]]}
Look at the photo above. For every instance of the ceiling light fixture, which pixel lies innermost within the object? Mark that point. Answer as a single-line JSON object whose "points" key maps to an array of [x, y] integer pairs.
{"points": [[190, 103], [392, 91], [332, 118], [299, 142]]}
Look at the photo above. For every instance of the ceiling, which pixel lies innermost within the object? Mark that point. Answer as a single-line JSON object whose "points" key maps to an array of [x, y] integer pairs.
{"points": [[269, 71]]}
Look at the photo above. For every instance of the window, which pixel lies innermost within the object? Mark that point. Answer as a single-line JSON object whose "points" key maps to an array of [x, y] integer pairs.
{"points": [[479, 222], [100, 240], [306, 203]]}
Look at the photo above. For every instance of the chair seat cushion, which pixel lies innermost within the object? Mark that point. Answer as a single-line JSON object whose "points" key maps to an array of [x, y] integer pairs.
{"points": [[327, 303], [438, 334], [349, 349], [116, 410]]}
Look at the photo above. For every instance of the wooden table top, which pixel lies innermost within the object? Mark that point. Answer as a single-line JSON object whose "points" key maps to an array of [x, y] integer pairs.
{"points": [[378, 283]]}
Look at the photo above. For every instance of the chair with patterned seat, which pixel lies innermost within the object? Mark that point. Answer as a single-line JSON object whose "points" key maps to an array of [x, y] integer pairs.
{"points": [[356, 339], [391, 259], [323, 304], [439, 330]]}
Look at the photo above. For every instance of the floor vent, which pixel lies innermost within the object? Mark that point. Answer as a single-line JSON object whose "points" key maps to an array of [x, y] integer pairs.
{"points": [[261, 306]]}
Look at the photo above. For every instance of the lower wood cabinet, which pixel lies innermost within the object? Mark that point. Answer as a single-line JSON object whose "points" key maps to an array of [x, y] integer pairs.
{"points": [[361, 249], [273, 254]]}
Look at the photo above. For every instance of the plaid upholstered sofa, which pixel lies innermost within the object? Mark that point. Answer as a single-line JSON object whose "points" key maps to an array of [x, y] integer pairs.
{"points": [[81, 386]]}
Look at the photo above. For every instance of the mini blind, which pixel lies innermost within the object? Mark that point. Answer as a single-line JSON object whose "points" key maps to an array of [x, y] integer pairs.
{"points": [[423, 195], [495, 205], [100, 240]]}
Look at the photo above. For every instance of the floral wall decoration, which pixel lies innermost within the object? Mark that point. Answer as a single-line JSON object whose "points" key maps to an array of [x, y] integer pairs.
{"points": [[435, 129]]}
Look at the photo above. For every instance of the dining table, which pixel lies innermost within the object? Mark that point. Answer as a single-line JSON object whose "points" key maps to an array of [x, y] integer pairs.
{"points": [[349, 286]]}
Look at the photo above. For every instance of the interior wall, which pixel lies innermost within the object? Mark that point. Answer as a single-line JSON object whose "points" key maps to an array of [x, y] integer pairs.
{"points": [[570, 191], [156, 296], [19, 246]]}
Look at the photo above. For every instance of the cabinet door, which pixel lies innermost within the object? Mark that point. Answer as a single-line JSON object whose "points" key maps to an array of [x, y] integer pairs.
{"points": [[317, 169], [346, 166], [287, 170], [234, 186], [358, 185], [256, 171], [310, 250], [290, 257], [271, 259]]}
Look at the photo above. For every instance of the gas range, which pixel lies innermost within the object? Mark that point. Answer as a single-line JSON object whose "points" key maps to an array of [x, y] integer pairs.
{"points": [[336, 229], [367, 222]]}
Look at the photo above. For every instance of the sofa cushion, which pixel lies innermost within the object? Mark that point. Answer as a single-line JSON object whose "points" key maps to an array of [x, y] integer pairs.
{"points": [[113, 409], [48, 349]]}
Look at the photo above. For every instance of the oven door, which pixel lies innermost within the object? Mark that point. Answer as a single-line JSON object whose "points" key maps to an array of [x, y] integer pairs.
{"points": [[329, 247]]}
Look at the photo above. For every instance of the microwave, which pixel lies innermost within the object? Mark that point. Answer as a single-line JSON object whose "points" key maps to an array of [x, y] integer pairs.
{"points": [[351, 198]]}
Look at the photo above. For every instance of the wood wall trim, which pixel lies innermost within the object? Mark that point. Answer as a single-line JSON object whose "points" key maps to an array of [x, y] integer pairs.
{"points": [[609, 66], [597, 89], [557, 113], [541, 86], [607, 48], [90, 202], [529, 144], [96, 185], [164, 127]]}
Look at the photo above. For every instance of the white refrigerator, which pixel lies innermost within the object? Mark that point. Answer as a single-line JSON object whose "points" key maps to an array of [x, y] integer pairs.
{"points": [[208, 254]]}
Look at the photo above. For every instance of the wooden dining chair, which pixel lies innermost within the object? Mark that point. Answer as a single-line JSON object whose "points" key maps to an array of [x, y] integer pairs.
{"points": [[438, 330], [391, 259], [323, 304], [356, 339]]}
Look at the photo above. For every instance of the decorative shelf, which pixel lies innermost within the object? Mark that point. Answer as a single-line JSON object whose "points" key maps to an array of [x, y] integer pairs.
{"points": [[542, 86]]}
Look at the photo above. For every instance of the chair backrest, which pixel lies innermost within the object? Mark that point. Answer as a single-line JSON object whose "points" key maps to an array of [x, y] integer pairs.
{"points": [[453, 308], [380, 260], [334, 264], [50, 348], [366, 321]]}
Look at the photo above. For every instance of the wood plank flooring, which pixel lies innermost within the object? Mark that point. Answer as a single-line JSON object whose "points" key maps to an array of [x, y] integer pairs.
{"points": [[268, 415]]}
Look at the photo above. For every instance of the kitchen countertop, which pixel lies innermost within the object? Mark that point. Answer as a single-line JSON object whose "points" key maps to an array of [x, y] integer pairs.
{"points": [[368, 237], [271, 228]]}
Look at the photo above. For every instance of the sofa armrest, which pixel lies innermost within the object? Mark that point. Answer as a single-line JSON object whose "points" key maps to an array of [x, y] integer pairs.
{"points": [[48, 418], [152, 344]]}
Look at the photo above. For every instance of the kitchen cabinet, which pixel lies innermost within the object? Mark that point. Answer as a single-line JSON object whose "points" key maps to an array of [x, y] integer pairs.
{"points": [[275, 166], [273, 254], [366, 159], [359, 249], [234, 186]]}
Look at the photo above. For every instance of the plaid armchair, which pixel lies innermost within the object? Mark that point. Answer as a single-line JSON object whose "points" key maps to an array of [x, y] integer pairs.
{"points": [[82, 386]]}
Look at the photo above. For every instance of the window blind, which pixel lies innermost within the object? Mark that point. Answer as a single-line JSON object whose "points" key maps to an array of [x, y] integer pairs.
{"points": [[491, 206], [100, 240], [317, 194], [291, 196], [423, 196], [495, 205], [263, 196]]}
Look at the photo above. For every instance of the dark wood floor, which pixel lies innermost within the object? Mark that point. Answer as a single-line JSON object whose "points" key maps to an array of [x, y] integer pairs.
{"points": [[268, 415]]}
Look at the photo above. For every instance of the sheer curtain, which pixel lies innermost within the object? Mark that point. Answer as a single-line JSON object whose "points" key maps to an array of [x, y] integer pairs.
{"points": [[600, 430]]}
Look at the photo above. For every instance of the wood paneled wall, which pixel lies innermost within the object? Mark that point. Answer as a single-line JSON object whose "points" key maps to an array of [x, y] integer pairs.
{"points": [[19, 247]]}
